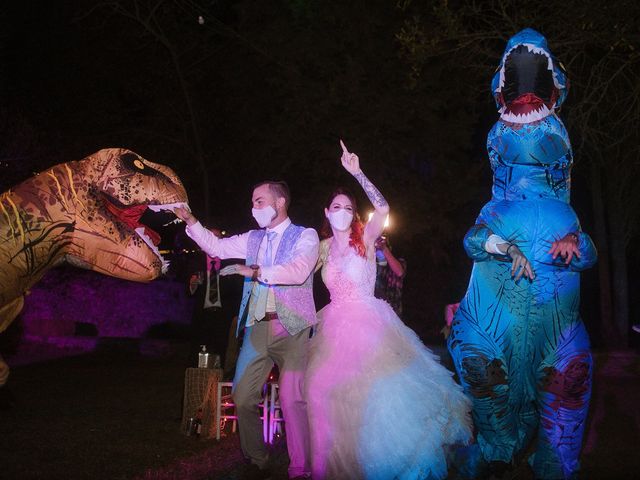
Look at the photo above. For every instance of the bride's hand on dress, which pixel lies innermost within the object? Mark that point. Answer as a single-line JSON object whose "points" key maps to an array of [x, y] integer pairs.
{"points": [[350, 161]]}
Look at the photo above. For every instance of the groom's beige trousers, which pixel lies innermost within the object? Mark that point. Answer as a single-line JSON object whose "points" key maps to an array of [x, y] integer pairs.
{"points": [[264, 343]]}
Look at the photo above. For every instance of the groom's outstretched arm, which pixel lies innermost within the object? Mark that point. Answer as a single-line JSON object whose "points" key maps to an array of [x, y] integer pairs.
{"points": [[296, 271], [232, 247]]}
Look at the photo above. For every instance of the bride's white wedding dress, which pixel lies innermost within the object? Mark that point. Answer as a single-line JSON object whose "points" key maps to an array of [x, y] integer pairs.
{"points": [[380, 404]]}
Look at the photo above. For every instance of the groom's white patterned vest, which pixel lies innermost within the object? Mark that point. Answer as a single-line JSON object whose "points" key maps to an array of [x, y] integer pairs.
{"points": [[294, 303]]}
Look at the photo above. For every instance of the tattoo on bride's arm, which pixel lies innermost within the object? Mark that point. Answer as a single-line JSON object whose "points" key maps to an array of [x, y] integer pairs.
{"points": [[372, 192]]}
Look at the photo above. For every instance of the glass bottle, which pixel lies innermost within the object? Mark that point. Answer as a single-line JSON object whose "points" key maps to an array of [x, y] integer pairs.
{"points": [[203, 357], [198, 423], [216, 362]]}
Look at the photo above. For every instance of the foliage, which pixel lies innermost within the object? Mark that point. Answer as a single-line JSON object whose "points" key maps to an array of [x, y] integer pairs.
{"points": [[234, 91], [600, 48]]}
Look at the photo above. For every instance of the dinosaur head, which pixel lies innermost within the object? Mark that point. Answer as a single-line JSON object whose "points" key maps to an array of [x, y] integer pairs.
{"points": [[529, 83], [92, 213], [126, 196]]}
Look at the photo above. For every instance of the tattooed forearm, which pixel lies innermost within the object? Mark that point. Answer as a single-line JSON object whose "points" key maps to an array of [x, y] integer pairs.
{"points": [[372, 192]]}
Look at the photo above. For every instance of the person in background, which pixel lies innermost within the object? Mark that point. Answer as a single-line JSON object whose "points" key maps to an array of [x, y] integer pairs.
{"points": [[230, 294], [209, 325], [390, 272], [216, 303], [449, 312]]}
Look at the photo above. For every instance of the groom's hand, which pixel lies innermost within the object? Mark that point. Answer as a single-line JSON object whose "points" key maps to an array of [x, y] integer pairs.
{"points": [[185, 215], [237, 269]]}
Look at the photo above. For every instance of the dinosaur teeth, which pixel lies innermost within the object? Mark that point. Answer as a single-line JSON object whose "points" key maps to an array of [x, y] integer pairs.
{"points": [[533, 49], [145, 238], [169, 206], [177, 220], [501, 82], [530, 117]]}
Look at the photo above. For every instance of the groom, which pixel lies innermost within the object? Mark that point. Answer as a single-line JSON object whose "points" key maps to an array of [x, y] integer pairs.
{"points": [[276, 311]]}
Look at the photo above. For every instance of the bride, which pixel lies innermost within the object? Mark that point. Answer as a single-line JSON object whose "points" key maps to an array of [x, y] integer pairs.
{"points": [[380, 405]]}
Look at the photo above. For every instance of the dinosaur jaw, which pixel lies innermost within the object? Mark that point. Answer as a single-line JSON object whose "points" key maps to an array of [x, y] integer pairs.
{"points": [[528, 84], [142, 233], [527, 108], [157, 216], [144, 219], [533, 50]]}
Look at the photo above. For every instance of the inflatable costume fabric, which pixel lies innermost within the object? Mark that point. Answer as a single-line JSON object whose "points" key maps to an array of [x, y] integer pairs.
{"points": [[86, 213], [520, 348]]}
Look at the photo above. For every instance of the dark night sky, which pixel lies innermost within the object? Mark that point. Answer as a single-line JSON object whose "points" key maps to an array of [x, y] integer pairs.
{"points": [[82, 83], [273, 88]]}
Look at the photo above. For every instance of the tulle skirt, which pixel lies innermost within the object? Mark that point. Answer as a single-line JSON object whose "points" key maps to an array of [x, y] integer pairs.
{"points": [[380, 404]]}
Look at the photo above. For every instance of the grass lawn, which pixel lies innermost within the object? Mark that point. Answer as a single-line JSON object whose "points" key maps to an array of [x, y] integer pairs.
{"points": [[115, 414], [105, 415]]}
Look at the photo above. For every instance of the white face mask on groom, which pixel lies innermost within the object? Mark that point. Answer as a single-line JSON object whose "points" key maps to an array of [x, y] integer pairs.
{"points": [[264, 215], [340, 219]]}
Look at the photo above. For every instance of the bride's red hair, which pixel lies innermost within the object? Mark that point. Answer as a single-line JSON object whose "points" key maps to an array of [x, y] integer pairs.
{"points": [[356, 239]]}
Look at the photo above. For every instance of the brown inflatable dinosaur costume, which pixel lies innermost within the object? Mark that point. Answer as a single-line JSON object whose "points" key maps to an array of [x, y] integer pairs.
{"points": [[86, 213]]}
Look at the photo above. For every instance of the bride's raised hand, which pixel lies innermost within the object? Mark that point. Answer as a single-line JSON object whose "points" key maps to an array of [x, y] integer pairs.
{"points": [[350, 161]]}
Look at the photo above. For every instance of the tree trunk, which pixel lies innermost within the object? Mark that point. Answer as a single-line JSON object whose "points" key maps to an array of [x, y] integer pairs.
{"points": [[619, 266], [607, 327], [620, 291], [195, 132]]}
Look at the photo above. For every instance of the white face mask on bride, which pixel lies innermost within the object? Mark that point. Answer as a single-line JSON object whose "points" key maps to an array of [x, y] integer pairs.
{"points": [[264, 215], [340, 219]]}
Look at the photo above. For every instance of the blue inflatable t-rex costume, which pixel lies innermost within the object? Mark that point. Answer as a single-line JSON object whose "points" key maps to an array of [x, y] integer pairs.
{"points": [[519, 346]]}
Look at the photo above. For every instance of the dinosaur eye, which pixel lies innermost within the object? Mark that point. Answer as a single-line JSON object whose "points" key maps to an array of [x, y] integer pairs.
{"points": [[132, 163]]}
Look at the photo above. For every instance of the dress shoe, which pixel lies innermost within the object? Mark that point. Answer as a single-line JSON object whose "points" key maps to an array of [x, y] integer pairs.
{"points": [[253, 472]]}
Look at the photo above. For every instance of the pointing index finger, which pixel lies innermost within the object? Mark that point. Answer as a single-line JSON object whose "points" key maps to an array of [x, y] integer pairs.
{"points": [[344, 148]]}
